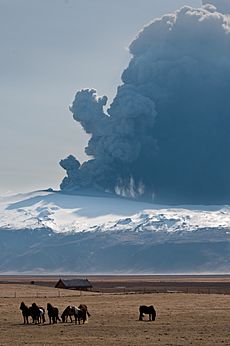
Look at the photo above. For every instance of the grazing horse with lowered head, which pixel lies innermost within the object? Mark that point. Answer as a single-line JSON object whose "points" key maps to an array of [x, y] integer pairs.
{"points": [[53, 313], [26, 312], [149, 310], [73, 311], [38, 313]]}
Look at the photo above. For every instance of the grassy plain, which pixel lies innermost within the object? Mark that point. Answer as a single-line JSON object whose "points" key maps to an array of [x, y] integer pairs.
{"points": [[182, 319]]}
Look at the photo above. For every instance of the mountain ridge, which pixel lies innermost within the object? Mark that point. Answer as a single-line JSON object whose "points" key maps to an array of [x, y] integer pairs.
{"points": [[46, 231]]}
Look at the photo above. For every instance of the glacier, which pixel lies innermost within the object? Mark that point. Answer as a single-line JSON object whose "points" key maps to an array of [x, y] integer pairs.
{"points": [[51, 232]]}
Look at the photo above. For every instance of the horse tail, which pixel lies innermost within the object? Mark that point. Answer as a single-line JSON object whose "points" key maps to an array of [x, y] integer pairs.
{"points": [[154, 314]]}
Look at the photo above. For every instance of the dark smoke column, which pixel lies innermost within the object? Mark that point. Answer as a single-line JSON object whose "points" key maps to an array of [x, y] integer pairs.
{"points": [[166, 134], [117, 141]]}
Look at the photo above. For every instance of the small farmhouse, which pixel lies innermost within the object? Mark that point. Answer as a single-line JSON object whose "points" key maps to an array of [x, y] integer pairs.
{"points": [[74, 284]]}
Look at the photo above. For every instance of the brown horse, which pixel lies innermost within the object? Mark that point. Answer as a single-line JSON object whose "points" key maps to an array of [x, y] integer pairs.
{"points": [[84, 308], [53, 313], [149, 310], [73, 311]]}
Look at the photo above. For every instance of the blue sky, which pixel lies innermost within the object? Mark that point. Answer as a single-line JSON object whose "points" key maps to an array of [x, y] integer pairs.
{"points": [[50, 49]]}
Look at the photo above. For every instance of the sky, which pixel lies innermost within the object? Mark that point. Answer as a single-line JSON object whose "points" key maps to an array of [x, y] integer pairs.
{"points": [[50, 49]]}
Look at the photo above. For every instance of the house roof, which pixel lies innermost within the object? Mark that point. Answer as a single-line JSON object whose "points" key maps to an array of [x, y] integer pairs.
{"points": [[75, 283]]}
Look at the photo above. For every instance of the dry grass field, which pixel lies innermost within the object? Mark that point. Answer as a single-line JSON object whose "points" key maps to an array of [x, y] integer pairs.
{"points": [[182, 319]]}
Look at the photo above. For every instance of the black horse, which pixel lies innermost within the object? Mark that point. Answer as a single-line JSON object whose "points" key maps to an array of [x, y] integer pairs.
{"points": [[26, 312], [149, 310], [53, 313], [37, 313]]}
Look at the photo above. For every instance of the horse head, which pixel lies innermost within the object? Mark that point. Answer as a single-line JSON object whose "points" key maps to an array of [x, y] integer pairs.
{"points": [[49, 306], [22, 306], [64, 315]]}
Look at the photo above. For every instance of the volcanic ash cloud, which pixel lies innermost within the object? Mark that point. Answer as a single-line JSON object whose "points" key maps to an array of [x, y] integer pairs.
{"points": [[222, 6], [166, 133]]}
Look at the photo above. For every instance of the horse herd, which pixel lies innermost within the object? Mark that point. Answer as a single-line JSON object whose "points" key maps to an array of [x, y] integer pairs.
{"points": [[37, 313], [80, 313]]}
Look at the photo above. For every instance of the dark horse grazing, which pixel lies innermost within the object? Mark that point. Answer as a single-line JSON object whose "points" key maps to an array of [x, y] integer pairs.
{"points": [[52, 313], [26, 312], [37, 313], [149, 310], [77, 313]]}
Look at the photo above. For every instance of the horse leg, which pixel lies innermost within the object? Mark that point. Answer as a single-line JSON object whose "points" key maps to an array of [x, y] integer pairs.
{"points": [[84, 317], [66, 319], [76, 319], [58, 318]]}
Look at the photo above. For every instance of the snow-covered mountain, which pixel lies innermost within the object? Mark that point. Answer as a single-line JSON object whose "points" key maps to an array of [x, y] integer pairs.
{"points": [[46, 231]]}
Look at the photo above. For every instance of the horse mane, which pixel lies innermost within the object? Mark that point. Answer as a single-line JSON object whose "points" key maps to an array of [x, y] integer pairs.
{"points": [[23, 305], [49, 306]]}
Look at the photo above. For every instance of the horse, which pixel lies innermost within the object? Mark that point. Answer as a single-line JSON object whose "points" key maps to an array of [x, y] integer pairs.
{"points": [[84, 308], [68, 312], [38, 313], [78, 314], [26, 312], [52, 313], [143, 309]]}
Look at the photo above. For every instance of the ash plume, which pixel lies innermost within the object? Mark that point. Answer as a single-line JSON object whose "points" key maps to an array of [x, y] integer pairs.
{"points": [[222, 6], [166, 134]]}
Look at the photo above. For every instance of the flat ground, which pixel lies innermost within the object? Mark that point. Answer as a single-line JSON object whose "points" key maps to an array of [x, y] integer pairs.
{"points": [[182, 319]]}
